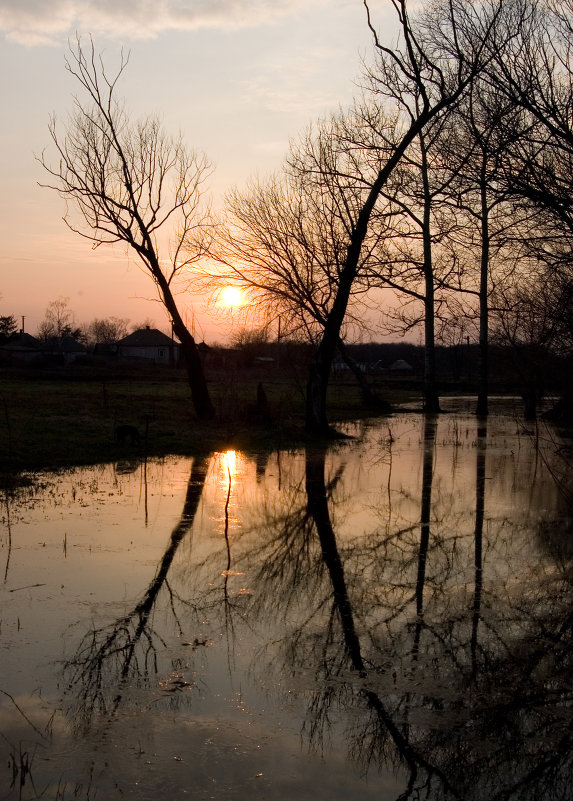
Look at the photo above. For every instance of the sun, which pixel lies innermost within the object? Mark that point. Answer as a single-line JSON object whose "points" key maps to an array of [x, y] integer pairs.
{"points": [[232, 297]]}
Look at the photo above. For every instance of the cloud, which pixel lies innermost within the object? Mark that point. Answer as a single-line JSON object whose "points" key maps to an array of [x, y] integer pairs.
{"points": [[297, 82], [37, 22]]}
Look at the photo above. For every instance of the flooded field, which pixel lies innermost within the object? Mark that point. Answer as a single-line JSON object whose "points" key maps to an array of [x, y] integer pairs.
{"points": [[387, 619]]}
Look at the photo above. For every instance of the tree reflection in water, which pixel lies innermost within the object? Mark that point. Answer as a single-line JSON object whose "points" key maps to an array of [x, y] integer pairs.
{"points": [[125, 651], [437, 660], [478, 707], [478, 537], [382, 731]]}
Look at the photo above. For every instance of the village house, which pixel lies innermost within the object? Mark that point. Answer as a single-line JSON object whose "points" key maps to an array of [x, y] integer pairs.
{"points": [[20, 348], [63, 349], [23, 348], [149, 344]]}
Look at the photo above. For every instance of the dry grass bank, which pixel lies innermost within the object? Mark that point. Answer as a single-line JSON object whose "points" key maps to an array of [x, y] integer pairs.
{"points": [[57, 420]]}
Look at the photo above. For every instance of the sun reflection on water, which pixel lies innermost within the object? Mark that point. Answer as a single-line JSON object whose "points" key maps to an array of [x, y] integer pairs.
{"points": [[228, 479], [229, 463]]}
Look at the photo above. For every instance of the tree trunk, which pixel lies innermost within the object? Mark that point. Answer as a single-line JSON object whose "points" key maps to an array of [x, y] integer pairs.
{"points": [[202, 404], [483, 388], [319, 371], [196, 376], [318, 510], [317, 383], [320, 367], [431, 399]]}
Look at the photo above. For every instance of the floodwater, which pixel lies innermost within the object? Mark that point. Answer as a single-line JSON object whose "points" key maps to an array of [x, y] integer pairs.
{"points": [[388, 619]]}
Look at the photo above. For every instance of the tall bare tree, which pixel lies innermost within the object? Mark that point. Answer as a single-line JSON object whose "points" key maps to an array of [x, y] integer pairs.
{"points": [[536, 74], [340, 179], [488, 242], [438, 58], [414, 265], [131, 183], [285, 239]]}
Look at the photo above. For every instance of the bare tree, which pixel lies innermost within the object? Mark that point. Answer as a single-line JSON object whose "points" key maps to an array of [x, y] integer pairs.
{"points": [[58, 321], [488, 244], [8, 326], [415, 265], [439, 58], [106, 330], [312, 240], [133, 184], [536, 74], [285, 238]]}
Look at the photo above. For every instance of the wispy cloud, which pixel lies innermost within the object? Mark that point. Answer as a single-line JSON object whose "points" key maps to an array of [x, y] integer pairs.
{"points": [[297, 82], [37, 22]]}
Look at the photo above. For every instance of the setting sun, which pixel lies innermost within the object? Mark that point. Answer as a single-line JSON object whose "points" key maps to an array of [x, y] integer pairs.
{"points": [[232, 296]]}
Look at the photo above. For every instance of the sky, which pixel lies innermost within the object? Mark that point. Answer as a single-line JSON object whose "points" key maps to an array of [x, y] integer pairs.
{"points": [[239, 79]]}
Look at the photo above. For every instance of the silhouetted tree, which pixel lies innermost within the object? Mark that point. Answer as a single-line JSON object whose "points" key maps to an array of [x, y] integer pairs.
{"points": [[412, 265], [488, 247], [8, 326], [106, 330], [342, 177], [59, 321], [440, 56], [131, 183]]}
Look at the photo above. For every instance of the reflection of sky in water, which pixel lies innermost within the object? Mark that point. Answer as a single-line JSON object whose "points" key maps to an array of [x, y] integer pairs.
{"points": [[234, 627]]}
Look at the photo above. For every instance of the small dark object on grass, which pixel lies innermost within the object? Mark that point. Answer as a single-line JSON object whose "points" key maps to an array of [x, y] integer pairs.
{"points": [[259, 413], [127, 434]]}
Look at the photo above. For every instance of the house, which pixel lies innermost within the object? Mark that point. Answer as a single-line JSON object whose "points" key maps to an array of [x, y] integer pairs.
{"points": [[23, 348], [149, 344], [20, 348], [63, 349]]}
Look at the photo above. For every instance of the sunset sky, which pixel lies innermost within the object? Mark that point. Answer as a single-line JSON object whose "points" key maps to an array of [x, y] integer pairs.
{"points": [[237, 77]]}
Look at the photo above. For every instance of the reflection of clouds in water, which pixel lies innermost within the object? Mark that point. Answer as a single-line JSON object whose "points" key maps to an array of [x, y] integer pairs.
{"points": [[29, 717]]}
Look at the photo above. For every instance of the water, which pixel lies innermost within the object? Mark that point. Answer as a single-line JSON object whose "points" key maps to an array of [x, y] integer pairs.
{"points": [[387, 619]]}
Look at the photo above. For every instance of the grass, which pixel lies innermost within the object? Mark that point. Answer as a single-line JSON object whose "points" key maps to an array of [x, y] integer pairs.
{"points": [[48, 421]]}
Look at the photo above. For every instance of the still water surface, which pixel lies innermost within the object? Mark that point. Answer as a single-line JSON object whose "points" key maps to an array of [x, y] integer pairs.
{"points": [[387, 619]]}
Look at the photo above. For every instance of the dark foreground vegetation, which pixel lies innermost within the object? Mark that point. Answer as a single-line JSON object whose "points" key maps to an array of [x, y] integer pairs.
{"points": [[54, 416], [57, 418]]}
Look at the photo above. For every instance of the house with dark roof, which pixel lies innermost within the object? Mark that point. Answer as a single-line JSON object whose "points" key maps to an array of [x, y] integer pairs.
{"points": [[64, 348], [20, 348], [23, 348], [149, 344]]}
